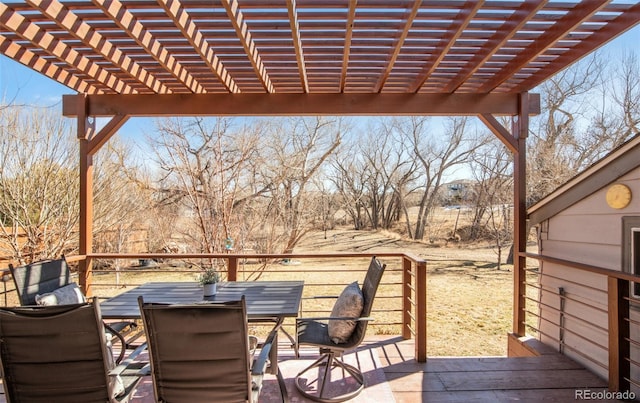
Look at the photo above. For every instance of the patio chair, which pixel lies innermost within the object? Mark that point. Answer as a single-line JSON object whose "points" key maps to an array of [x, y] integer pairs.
{"points": [[343, 330], [50, 282], [201, 352], [59, 353]]}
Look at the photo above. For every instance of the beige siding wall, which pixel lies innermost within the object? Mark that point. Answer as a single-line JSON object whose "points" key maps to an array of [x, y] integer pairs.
{"points": [[588, 232]]}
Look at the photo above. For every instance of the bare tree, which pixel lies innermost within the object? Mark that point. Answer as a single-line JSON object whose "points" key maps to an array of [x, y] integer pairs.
{"points": [[492, 169], [349, 177], [297, 149], [204, 162], [390, 170], [587, 110], [121, 197], [373, 174], [436, 155], [626, 95], [38, 184]]}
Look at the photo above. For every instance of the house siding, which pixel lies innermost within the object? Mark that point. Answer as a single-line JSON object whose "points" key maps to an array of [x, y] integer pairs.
{"points": [[588, 232]]}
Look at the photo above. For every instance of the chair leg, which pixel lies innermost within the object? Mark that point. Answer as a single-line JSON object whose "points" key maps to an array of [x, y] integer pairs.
{"points": [[329, 361], [283, 387]]}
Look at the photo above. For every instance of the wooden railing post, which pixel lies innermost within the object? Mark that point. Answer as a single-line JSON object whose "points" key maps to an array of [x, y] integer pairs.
{"points": [[407, 265], [619, 349], [421, 311], [232, 274]]}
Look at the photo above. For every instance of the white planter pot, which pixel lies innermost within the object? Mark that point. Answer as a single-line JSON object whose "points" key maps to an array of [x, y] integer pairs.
{"points": [[210, 289]]}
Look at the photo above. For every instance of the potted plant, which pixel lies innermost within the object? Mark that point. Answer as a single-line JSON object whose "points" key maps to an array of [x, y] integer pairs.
{"points": [[209, 279]]}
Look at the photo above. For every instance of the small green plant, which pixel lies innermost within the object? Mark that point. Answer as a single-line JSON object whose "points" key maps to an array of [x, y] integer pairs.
{"points": [[209, 276]]}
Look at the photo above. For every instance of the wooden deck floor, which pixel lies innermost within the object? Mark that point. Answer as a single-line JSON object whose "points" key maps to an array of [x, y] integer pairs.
{"points": [[551, 377]]}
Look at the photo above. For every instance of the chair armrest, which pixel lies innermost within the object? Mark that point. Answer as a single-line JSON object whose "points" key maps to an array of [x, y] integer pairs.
{"points": [[120, 326], [322, 297], [145, 371], [359, 319], [259, 365], [120, 337], [128, 361]]}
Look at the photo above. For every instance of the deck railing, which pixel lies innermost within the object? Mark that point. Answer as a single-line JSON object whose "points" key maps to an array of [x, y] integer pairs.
{"points": [[595, 314], [400, 305]]}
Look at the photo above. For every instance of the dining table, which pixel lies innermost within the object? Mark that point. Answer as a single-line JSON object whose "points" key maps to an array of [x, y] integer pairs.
{"points": [[266, 301]]}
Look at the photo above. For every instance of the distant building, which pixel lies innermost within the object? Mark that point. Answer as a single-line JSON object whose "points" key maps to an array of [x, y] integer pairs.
{"points": [[457, 192]]}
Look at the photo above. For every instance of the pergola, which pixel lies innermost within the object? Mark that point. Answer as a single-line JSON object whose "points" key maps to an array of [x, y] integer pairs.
{"points": [[129, 58]]}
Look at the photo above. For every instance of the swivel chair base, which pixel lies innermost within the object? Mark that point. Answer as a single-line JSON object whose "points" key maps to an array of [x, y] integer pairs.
{"points": [[329, 361]]}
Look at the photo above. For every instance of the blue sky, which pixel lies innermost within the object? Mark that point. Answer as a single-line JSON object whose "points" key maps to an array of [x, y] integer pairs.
{"points": [[21, 85]]}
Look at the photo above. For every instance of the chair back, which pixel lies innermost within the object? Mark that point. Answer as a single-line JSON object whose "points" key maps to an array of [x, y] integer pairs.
{"points": [[198, 352], [369, 290], [39, 278], [53, 354]]}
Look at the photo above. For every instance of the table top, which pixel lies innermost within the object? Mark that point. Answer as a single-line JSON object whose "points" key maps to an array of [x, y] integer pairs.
{"points": [[264, 299]]}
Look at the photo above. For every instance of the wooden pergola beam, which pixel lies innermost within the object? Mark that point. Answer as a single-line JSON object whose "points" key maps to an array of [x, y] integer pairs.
{"points": [[23, 55], [136, 30], [75, 25], [150, 105], [33, 33], [348, 36], [292, 10], [510, 28], [189, 29], [236, 17], [565, 25], [410, 17]]}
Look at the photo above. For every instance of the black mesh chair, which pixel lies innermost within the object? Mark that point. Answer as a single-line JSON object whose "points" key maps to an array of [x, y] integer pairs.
{"points": [[45, 277], [201, 353], [315, 332], [60, 353]]}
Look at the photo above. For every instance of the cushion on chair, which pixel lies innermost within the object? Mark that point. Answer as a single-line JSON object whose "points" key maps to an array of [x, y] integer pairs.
{"points": [[349, 304], [69, 294]]}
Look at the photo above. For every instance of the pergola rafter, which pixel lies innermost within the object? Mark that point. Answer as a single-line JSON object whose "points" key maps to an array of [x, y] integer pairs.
{"points": [[445, 44], [621, 23], [236, 18], [402, 36], [309, 46], [297, 44], [58, 12], [33, 33], [185, 23], [347, 43], [568, 23], [116, 11], [500, 38], [28, 58]]}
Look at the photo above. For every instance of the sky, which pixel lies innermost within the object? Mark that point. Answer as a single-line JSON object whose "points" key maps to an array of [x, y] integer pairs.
{"points": [[21, 85]]}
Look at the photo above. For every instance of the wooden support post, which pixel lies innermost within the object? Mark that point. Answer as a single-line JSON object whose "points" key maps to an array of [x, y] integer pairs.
{"points": [[619, 349], [421, 311], [232, 273], [406, 298], [84, 131], [90, 143], [520, 131]]}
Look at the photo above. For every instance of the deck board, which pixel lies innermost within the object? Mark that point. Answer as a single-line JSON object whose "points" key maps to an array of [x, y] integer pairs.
{"points": [[541, 379], [550, 377]]}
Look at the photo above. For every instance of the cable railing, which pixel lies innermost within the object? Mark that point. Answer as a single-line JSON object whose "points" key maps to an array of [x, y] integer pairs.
{"points": [[591, 321], [399, 308]]}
